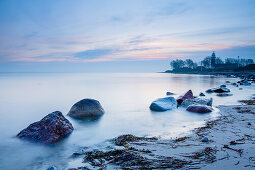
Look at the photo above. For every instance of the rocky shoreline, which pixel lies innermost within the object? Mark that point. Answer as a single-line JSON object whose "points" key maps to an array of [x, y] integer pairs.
{"points": [[224, 143]]}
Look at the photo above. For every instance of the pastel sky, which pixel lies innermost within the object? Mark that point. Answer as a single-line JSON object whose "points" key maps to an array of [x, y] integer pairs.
{"points": [[118, 35]]}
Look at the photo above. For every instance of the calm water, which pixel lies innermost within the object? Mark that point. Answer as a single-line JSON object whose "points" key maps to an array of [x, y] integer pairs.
{"points": [[26, 98]]}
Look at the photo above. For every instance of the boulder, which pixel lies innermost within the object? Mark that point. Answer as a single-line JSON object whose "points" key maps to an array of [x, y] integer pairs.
{"points": [[201, 94], [223, 85], [199, 108], [187, 95], [163, 104], [51, 129], [224, 94], [197, 101], [86, 108], [227, 81]]}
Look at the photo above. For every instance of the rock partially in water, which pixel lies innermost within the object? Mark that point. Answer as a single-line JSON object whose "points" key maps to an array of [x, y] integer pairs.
{"points": [[224, 94], [197, 101], [245, 83], [187, 95], [163, 104], [221, 90], [51, 129], [209, 91], [199, 109], [86, 108], [223, 85], [201, 94]]}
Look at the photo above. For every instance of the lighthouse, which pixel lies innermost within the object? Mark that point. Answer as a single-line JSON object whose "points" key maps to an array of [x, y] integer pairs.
{"points": [[213, 60]]}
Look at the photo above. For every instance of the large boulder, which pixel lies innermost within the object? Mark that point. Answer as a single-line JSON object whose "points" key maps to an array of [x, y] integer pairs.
{"points": [[49, 130], [86, 108], [197, 101], [199, 108], [187, 95], [163, 104]]}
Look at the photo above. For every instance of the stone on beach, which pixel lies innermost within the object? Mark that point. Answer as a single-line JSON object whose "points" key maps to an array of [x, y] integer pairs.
{"points": [[163, 104], [199, 108], [86, 108], [187, 95], [205, 139], [197, 101], [51, 129]]}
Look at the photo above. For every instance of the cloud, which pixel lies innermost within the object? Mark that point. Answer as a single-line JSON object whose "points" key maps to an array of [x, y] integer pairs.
{"points": [[92, 54]]}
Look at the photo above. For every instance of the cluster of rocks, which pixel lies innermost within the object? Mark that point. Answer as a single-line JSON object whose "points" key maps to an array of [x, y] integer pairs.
{"points": [[54, 127], [188, 101]]}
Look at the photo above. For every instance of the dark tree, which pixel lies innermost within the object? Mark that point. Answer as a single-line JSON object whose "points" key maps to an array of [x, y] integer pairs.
{"points": [[206, 62], [190, 64], [219, 61], [177, 64]]}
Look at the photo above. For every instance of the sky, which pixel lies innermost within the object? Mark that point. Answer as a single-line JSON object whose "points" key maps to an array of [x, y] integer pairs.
{"points": [[121, 36]]}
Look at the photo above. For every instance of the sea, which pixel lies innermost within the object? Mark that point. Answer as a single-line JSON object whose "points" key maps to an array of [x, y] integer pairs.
{"points": [[125, 97]]}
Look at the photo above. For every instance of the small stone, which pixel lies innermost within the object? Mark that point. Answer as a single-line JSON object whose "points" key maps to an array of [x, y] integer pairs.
{"points": [[205, 139]]}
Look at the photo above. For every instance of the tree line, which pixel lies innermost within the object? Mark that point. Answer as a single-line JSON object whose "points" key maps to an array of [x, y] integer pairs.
{"points": [[206, 62]]}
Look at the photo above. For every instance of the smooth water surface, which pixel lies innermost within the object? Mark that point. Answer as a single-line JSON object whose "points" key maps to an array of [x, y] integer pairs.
{"points": [[28, 97]]}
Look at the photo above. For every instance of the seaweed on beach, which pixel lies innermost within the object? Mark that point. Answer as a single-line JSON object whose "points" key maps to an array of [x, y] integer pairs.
{"points": [[181, 139], [130, 159], [199, 131], [124, 139], [207, 155], [248, 102]]}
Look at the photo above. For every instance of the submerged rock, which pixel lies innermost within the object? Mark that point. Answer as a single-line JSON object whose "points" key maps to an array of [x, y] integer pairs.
{"points": [[86, 108], [169, 93], [197, 101], [163, 104], [199, 108], [187, 95], [224, 94], [223, 85], [201, 94], [51, 129]]}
